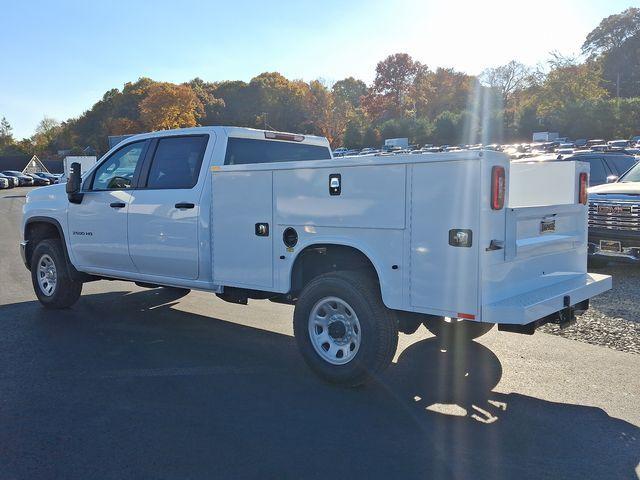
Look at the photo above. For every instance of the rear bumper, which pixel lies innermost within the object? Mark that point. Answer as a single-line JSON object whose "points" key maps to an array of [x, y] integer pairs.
{"points": [[537, 304]]}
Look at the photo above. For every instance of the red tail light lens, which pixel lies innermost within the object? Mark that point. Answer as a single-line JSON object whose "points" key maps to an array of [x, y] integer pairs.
{"points": [[497, 187], [584, 183]]}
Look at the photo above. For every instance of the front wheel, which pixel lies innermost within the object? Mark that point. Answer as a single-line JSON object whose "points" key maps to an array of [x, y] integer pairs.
{"points": [[343, 330], [50, 276], [453, 330]]}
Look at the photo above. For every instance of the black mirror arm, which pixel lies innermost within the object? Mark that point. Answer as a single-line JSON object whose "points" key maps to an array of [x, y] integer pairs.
{"points": [[75, 197]]}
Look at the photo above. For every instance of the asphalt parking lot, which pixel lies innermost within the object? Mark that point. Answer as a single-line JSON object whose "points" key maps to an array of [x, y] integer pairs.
{"points": [[149, 383]]}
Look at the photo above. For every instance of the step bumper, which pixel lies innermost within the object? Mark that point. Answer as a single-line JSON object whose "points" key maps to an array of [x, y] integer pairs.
{"points": [[536, 304]]}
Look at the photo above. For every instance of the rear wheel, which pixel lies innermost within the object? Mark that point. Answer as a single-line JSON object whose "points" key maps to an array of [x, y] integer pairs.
{"points": [[344, 331], [50, 276], [453, 330]]}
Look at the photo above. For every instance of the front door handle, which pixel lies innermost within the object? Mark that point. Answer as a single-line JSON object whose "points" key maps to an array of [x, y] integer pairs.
{"points": [[184, 205], [117, 205]]}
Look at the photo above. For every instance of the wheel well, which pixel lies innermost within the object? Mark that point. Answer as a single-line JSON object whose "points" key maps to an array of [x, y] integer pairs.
{"points": [[318, 259], [35, 232]]}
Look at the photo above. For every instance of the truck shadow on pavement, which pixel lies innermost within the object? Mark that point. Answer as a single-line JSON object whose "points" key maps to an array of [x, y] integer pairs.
{"points": [[125, 386]]}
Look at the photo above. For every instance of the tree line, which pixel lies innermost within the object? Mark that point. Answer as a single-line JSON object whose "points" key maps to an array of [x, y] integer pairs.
{"points": [[597, 95]]}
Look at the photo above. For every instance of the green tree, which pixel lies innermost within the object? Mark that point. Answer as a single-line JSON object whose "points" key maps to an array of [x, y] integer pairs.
{"points": [[446, 128], [46, 133], [616, 41], [567, 83], [349, 90], [6, 133], [277, 102], [353, 134], [443, 89], [612, 32]]}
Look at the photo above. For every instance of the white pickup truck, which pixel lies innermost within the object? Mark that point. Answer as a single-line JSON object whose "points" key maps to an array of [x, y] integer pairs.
{"points": [[363, 247]]}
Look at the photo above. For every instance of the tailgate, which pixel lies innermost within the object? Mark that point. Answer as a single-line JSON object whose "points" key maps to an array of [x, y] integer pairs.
{"points": [[544, 254], [534, 231]]}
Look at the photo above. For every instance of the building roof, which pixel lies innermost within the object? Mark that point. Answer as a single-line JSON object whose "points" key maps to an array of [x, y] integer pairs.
{"points": [[53, 166], [29, 163], [14, 162]]}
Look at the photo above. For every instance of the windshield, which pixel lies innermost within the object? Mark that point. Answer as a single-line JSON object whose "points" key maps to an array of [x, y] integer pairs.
{"points": [[632, 175]]}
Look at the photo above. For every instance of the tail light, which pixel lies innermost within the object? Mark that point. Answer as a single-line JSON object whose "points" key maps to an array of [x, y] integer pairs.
{"points": [[497, 187], [582, 192]]}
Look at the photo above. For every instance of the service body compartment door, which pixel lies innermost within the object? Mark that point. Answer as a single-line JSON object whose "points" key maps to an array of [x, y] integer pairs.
{"points": [[242, 255], [444, 278]]}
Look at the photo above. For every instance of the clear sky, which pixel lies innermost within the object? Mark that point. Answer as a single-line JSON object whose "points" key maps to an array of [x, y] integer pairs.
{"points": [[58, 58]]}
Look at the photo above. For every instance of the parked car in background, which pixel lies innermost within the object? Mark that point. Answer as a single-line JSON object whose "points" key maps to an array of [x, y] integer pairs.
{"points": [[595, 141], [4, 183], [606, 167], [339, 152], [38, 181], [368, 151], [565, 151], [49, 176], [600, 148], [614, 220], [13, 181], [618, 143], [23, 180]]}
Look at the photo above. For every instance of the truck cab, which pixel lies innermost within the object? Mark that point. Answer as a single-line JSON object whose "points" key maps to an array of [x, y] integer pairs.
{"points": [[364, 247]]}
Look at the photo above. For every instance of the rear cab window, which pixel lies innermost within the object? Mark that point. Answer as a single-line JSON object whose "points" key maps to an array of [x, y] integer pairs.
{"points": [[242, 151], [176, 162]]}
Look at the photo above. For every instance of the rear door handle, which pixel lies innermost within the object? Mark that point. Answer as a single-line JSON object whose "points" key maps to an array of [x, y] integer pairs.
{"points": [[184, 205], [117, 205]]}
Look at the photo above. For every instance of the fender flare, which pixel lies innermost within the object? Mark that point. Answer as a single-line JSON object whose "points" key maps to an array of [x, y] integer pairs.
{"points": [[75, 274], [340, 242]]}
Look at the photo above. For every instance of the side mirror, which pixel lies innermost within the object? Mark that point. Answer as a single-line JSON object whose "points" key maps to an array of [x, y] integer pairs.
{"points": [[74, 183], [612, 178]]}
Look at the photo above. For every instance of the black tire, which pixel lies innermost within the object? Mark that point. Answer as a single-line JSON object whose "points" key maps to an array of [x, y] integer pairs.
{"points": [[66, 290], [378, 327], [451, 331]]}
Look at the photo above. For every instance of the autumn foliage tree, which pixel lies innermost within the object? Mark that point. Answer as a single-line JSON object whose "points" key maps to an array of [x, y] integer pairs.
{"points": [[168, 106]]}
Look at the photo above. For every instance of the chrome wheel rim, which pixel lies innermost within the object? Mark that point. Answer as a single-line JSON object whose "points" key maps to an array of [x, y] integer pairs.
{"points": [[334, 330], [47, 275]]}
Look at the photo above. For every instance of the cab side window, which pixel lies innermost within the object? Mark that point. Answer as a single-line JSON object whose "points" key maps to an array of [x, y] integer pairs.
{"points": [[117, 171], [176, 162]]}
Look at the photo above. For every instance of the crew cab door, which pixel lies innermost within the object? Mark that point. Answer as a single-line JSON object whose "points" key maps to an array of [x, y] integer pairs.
{"points": [[163, 214], [98, 225]]}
